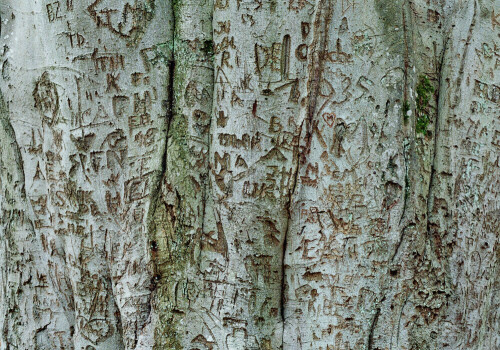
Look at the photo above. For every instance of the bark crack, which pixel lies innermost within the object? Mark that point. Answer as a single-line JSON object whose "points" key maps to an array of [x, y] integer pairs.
{"points": [[406, 55], [464, 55], [401, 238], [291, 191], [321, 22], [156, 191], [436, 141], [406, 105], [372, 329], [205, 177]]}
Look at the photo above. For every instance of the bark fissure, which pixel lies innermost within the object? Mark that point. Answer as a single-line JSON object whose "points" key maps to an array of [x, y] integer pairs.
{"points": [[373, 325], [291, 192], [400, 241], [235, 175], [436, 136], [464, 54], [170, 109], [406, 108], [406, 56], [400, 315]]}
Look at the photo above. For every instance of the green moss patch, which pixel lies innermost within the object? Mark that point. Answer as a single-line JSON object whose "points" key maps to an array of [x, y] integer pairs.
{"points": [[425, 90]]}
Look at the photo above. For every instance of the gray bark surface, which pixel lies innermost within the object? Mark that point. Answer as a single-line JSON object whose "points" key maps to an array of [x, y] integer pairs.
{"points": [[226, 175]]}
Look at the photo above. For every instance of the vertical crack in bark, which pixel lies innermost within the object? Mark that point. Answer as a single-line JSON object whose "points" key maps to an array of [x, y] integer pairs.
{"points": [[406, 187], [168, 116], [404, 222], [406, 54], [156, 193], [401, 238], [399, 323], [436, 136], [322, 20], [291, 191], [440, 94], [206, 175], [189, 63], [373, 325], [157, 189], [464, 56], [170, 108]]}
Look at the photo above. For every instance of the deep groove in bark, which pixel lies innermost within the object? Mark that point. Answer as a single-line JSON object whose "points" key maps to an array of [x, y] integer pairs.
{"points": [[206, 175], [436, 136], [170, 108], [406, 187], [315, 74], [291, 191], [400, 241], [465, 54], [406, 54], [211, 300], [372, 329]]}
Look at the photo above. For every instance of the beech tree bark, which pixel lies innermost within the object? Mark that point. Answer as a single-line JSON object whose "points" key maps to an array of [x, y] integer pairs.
{"points": [[228, 174]]}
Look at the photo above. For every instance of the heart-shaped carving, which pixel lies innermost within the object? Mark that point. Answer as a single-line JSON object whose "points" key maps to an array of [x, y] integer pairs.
{"points": [[329, 118]]}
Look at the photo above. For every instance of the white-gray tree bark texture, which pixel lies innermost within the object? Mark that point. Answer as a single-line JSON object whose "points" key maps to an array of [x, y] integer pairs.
{"points": [[250, 174]]}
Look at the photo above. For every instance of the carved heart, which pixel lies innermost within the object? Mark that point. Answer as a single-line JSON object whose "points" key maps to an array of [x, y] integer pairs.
{"points": [[329, 118]]}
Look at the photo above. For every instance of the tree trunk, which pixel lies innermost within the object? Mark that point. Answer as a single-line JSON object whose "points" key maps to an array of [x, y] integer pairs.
{"points": [[227, 175]]}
